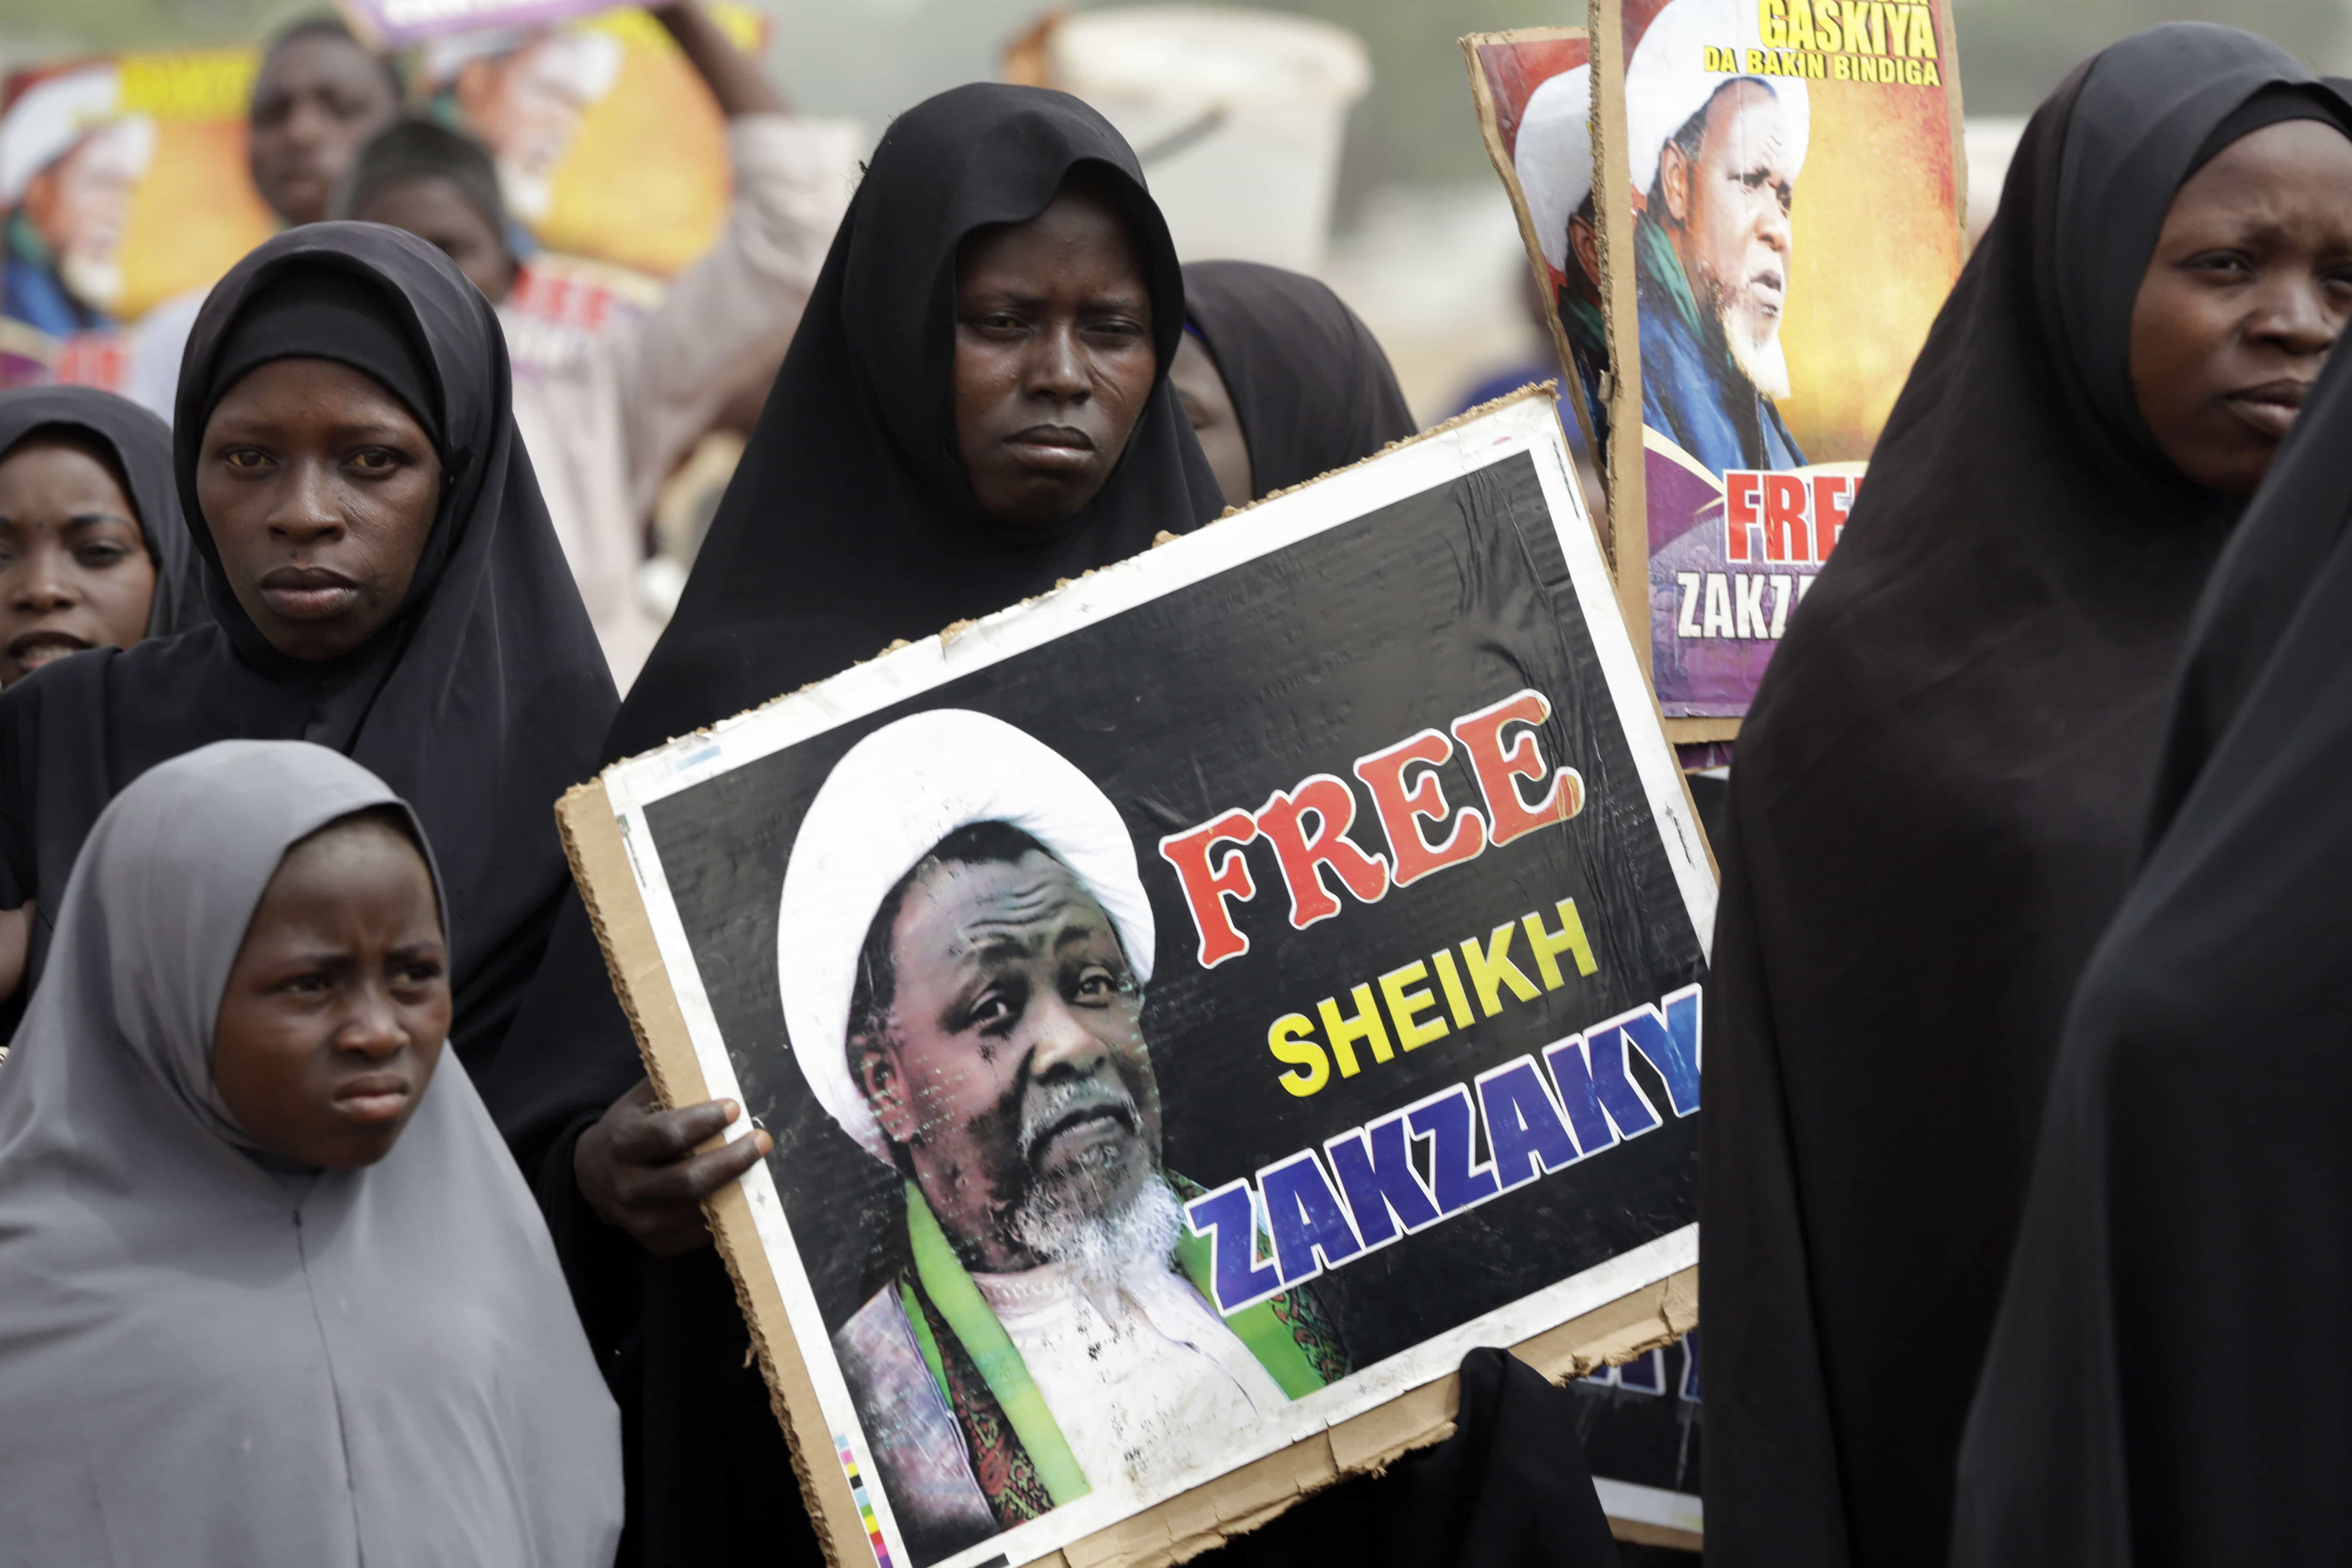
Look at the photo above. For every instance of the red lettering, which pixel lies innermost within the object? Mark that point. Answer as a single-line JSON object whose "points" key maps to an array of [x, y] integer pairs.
{"points": [[1333, 806], [1740, 492], [1401, 809], [1833, 499], [1508, 816], [1784, 518], [1208, 882]]}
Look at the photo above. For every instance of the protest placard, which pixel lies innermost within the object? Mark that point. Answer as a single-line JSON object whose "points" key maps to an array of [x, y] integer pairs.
{"points": [[1778, 220], [124, 189], [1191, 1009], [1533, 90]]}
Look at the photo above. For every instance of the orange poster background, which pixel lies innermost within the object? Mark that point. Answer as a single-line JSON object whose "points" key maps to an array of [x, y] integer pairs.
{"points": [[1877, 245]]}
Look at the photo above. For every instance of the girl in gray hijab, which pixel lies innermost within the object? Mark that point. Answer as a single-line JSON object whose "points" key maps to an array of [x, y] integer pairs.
{"points": [[269, 1302]]}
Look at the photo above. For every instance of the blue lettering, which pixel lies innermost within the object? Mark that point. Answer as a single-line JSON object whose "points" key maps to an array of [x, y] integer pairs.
{"points": [[1229, 1218], [1446, 1121], [1375, 1170], [1597, 1092], [1524, 1131], [1305, 1217]]}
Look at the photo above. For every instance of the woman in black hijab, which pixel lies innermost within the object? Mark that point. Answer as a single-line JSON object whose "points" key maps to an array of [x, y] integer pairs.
{"points": [[959, 424], [2167, 1380], [1281, 380], [382, 580], [44, 616], [1942, 783]]}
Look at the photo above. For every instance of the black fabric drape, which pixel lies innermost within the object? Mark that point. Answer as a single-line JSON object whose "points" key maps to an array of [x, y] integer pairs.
{"points": [[849, 524], [479, 703], [1935, 809], [2168, 1381], [142, 444], [1310, 384]]}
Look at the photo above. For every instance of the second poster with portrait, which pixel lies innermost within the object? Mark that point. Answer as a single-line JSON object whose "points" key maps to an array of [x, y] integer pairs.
{"points": [[1750, 214]]}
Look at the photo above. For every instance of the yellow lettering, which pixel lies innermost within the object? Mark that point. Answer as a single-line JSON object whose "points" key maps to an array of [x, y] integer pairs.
{"points": [[1754, 62], [1491, 969], [1457, 1001], [1291, 1040], [1549, 944], [1841, 68], [1772, 22], [1405, 1005], [1365, 1025], [1877, 28], [1931, 76], [1825, 28], [1923, 34], [1799, 34], [1855, 16]]}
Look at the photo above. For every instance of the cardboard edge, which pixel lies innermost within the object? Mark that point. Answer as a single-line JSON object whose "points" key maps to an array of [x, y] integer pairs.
{"points": [[1198, 1521], [600, 860], [1640, 1534], [1490, 133], [1948, 33], [1688, 731], [1613, 213]]}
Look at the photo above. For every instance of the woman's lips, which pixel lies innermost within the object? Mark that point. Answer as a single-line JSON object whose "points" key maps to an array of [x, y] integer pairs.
{"points": [[2271, 407], [1054, 448], [308, 592], [374, 1098], [36, 648]]}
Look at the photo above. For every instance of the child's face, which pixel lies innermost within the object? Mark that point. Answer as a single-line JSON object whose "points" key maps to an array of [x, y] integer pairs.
{"points": [[338, 1005]]}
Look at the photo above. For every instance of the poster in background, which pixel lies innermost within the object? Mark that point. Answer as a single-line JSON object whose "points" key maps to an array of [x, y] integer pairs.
{"points": [[1783, 189], [396, 24], [124, 184], [1334, 1008], [1533, 90]]}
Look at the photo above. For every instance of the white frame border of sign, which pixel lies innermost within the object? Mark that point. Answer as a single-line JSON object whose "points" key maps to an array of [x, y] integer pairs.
{"points": [[1637, 1299]]}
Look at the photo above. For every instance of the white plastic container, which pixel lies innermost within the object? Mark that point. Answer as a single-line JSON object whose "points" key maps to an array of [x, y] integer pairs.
{"points": [[1238, 117]]}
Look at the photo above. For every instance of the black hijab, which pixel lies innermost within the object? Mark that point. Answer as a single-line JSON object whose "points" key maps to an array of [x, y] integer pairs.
{"points": [[2167, 1380], [1936, 808], [479, 703], [142, 444], [1309, 382], [849, 524]]}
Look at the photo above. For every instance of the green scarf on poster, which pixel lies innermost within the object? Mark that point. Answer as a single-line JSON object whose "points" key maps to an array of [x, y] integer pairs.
{"points": [[969, 1317]]}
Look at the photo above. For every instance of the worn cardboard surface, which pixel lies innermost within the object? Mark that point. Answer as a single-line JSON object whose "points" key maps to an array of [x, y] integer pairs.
{"points": [[656, 853]]}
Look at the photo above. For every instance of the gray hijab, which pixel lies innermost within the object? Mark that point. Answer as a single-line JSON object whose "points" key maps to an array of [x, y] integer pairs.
{"points": [[205, 1361]]}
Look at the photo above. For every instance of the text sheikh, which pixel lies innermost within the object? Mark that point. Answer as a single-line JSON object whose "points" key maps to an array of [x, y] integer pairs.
{"points": [[1362, 1191]]}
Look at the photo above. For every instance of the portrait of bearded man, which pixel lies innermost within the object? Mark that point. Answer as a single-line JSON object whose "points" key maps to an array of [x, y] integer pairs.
{"points": [[1715, 160], [964, 949]]}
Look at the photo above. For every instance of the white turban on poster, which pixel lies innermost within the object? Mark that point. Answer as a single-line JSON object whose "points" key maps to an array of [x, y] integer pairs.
{"points": [[58, 115], [891, 799], [1553, 156], [1666, 81]]}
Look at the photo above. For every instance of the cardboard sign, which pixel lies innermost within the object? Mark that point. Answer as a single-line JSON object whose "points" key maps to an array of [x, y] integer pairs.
{"points": [[1778, 222], [1534, 93], [1193, 1008], [124, 187]]}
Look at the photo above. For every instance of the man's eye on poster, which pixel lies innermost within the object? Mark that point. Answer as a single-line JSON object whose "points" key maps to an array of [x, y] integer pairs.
{"points": [[1192, 1009]]}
